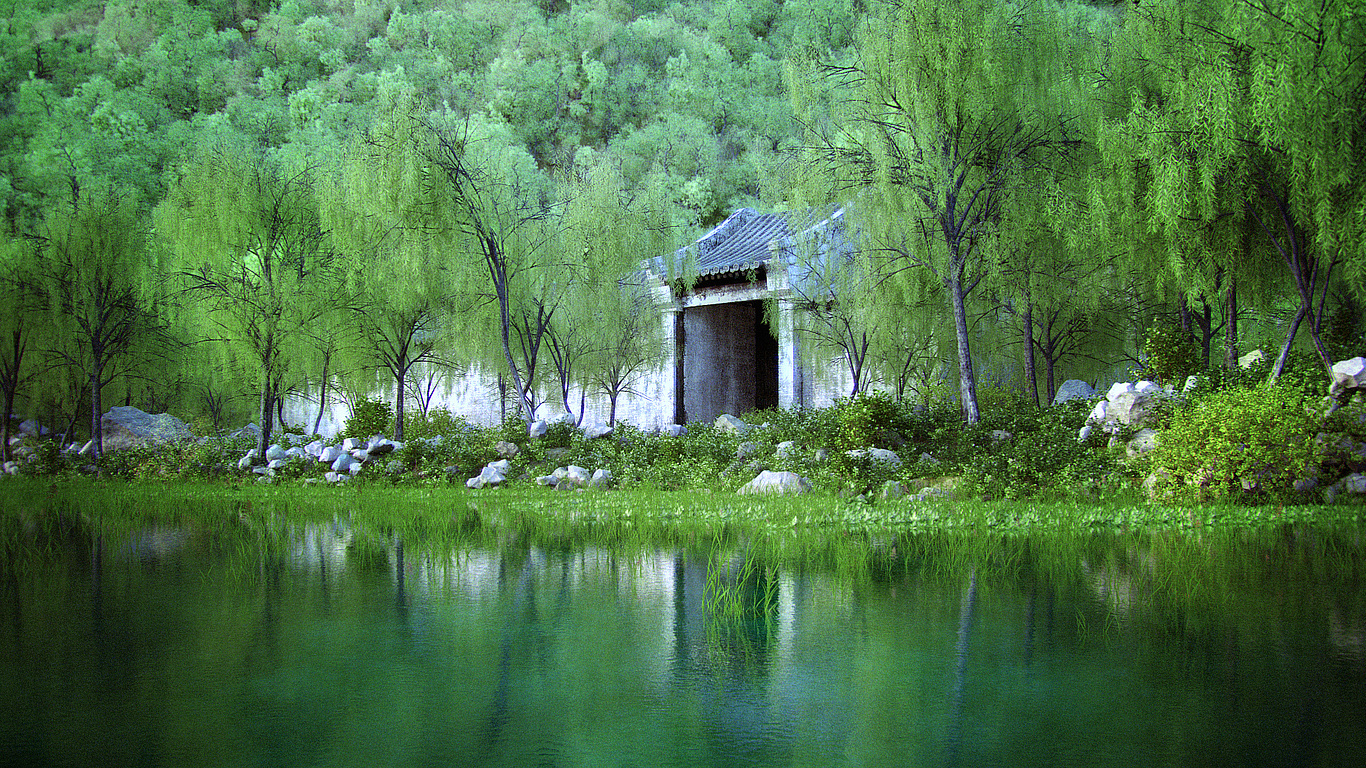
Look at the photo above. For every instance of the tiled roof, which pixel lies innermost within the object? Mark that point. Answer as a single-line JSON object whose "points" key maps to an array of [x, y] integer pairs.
{"points": [[739, 243], [744, 241]]}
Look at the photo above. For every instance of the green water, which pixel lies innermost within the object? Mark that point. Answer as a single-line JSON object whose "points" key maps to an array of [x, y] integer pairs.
{"points": [[321, 645]]}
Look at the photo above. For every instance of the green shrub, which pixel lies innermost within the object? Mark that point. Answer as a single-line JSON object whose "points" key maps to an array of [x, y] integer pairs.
{"points": [[437, 422], [1041, 458], [368, 418], [1170, 355], [1236, 441], [862, 421]]}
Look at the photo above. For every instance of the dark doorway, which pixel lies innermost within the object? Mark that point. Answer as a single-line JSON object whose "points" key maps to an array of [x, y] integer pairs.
{"points": [[765, 360], [730, 360]]}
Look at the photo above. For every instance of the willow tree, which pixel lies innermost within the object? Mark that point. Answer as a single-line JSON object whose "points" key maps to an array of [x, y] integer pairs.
{"points": [[609, 317], [398, 271], [245, 241], [1237, 150], [946, 113], [20, 327], [467, 191], [94, 270]]}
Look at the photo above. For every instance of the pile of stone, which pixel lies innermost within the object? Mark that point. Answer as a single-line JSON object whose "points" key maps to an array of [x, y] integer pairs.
{"points": [[344, 461]]}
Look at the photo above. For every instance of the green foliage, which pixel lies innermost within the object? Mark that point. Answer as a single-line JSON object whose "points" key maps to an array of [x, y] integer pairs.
{"points": [[438, 422], [862, 421], [1236, 442], [1041, 458], [1170, 355], [368, 418]]}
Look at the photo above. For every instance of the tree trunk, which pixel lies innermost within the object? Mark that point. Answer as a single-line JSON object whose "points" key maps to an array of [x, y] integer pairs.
{"points": [[1231, 325], [967, 381], [1289, 340], [96, 411], [9, 418], [1031, 376], [13, 368], [267, 416], [322, 393], [400, 376]]}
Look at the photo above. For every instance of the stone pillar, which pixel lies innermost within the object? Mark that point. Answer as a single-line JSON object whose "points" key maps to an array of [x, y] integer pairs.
{"points": [[671, 371], [790, 384]]}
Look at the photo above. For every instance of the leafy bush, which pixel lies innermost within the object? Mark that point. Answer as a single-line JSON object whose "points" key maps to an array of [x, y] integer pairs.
{"points": [[1041, 458], [437, 422], [862, 421], [1235, 441], [1170, 355], [369, 417]]}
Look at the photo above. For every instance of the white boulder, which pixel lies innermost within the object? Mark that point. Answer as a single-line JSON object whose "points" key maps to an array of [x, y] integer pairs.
{"points": [[1074, 389], [777, 483], [597, 429]]}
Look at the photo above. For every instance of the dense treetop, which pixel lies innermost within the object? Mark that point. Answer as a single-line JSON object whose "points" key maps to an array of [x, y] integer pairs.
{"points": [[1036, 183], [687, 95]]}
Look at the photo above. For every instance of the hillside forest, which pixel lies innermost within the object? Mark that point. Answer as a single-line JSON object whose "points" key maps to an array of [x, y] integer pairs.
{"points": [[213, 205]]}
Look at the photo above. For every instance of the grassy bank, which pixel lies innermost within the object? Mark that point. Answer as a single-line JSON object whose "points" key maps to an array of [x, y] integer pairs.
{"points": [[637, 514]]}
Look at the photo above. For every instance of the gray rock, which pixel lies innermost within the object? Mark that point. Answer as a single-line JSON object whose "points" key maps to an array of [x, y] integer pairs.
{"points": [[350, 444], [125, 426], [549, 480], [538, 428], [506, 450], [574, 477], [1074, 389], [490, 475], [601, 479], [876, 454], [776, 483], [336, 477], [275, 452], [315, 449], [360, 455], [892, 489], [275, 463], [674, 430], [266, 471], [1085, 432], [343, 462], [1252, 358], [381, 447], [597, 429], [925, 458], [251, 430], [785, 449], [329, 454], [746, 449], [728, 423]]}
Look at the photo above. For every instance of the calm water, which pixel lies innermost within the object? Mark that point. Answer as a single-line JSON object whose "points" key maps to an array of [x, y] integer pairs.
{"points": [[330, 647]]}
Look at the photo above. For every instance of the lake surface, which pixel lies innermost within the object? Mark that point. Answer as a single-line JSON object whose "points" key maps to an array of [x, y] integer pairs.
{"points": [[326, 646]]}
